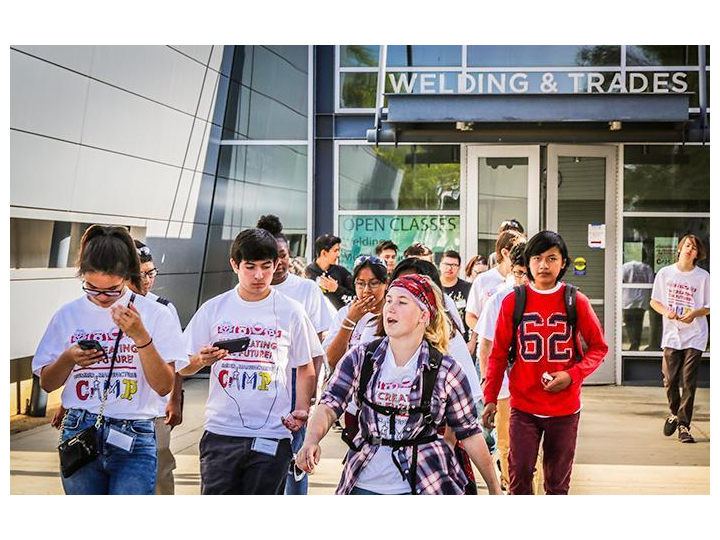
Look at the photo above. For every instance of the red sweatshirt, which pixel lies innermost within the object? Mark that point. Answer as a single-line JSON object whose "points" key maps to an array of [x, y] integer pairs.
{"points": [[544, 344]]}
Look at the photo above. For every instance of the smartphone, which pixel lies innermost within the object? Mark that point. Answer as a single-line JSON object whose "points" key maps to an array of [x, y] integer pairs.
{"points": [[91, 344], [233, 345]]}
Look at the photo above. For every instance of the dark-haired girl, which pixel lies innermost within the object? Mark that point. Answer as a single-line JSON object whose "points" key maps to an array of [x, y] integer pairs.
{"points": [[357, 322], [548, 370], [123, 407]]}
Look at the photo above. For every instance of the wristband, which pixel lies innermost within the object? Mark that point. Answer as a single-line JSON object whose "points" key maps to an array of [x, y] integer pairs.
{"points": [[350, 328], [143, 346], [351, 323]]}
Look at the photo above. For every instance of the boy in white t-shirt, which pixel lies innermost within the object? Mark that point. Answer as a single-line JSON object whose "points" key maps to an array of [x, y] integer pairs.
{"points": [[485, 330], [681, 294], [249, 418]]}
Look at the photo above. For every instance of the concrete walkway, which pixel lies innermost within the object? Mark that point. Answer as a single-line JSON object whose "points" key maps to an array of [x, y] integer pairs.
{"points": [[621, 449]]}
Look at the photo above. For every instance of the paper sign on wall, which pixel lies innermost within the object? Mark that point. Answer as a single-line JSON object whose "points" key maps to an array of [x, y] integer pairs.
{"points": [[596, 235]]}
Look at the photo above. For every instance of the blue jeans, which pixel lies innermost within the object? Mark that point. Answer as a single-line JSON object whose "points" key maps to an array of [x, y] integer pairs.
{"points": [[293, 487], [114, 471]]}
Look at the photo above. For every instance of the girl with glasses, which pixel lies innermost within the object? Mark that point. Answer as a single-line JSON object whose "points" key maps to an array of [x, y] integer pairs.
{"points": [[145, 343], [357, 322]]}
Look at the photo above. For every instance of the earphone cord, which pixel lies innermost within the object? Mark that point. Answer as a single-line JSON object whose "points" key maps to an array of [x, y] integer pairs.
{"points": [[272, 405]]}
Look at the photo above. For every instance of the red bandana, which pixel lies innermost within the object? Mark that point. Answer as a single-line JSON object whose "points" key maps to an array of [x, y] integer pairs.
{"points": [[421, 290]]}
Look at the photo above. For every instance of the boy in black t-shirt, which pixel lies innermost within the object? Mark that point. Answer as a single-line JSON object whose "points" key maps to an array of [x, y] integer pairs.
{"points": [[335, 281], [456, 288]]}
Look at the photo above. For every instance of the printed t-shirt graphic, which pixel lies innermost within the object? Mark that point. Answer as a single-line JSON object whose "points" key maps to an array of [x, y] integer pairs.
{"points": [[393, 388], [130, 397], [682, 292], [250, 391]]}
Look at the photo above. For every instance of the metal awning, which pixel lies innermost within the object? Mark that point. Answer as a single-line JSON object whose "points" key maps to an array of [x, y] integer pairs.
{"points": [[524, 108], [516, 116]]}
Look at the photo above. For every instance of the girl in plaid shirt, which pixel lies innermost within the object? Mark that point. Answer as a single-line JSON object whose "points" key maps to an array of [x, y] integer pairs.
{"points": [[413, 324]]}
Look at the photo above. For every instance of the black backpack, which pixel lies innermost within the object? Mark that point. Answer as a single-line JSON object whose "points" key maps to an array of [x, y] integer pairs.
{"points": [[570, 298], [429, 377]]}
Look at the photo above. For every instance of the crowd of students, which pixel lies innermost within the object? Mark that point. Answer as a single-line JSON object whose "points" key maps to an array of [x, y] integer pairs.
{"points": [[425, 373]]}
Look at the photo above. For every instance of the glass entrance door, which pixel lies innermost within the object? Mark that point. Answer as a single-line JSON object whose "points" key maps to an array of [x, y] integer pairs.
{"points": [[503, 183], [581, 207]]}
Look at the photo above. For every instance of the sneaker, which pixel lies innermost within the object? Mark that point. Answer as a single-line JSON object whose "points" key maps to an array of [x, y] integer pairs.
{"points": [[684, 435], [670, 425]]}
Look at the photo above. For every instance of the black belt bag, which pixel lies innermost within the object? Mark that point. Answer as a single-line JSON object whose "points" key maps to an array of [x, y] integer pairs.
{"points": [[84, 448]]}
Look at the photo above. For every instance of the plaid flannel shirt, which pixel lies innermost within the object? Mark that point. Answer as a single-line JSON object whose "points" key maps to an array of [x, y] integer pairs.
{"points": [[438, 472]]}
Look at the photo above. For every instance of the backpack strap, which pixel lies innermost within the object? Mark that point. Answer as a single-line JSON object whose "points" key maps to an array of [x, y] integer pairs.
{"points": [[163, 301], [365, 373], [429, 378], [570, 297], [518, 311]]}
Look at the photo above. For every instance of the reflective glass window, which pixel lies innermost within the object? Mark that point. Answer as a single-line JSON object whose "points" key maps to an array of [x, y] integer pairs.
{"points": [[359, 55], [659, 178], [267, 98], [358, 90], [413, 177], [542, 55], [661, 55], [424, 55], [649, 244]]}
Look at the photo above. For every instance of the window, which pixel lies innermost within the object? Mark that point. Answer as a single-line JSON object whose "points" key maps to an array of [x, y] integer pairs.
{"points": [[667, 178], [38, 243], [666, 194], [543, 55], [268, 94], [414, 177]]}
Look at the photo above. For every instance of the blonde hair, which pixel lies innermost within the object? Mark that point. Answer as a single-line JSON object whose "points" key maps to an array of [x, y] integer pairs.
{"points": [[437, 332]]}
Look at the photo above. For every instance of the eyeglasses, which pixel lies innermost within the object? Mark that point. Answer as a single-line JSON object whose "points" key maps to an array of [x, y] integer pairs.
{"points": [[143, 251], [510, 223], [95, 292], [372, 285], [149, 274], [450, 265], [372, 259], [519, 273]]}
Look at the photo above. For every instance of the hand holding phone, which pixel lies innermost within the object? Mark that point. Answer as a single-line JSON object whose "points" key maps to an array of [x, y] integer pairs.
{"points": [[233, 345]]}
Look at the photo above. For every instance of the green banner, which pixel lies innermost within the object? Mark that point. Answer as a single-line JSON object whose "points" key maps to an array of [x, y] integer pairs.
{"points": [[360, 234]]}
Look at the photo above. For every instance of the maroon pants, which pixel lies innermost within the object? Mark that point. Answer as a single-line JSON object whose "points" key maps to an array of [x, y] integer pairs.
{"points": [[559, 435]]}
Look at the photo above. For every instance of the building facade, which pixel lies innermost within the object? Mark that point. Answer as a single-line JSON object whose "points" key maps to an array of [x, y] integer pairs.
{"points": [[187, 146]]}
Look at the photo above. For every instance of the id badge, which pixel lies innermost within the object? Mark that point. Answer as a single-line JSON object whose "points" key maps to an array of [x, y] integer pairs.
{"points": [[264, 446], [121, 440]]}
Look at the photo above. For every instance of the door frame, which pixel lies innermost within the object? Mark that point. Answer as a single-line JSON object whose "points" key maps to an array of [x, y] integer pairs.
{"points": [[612, 289], [472, 153]]}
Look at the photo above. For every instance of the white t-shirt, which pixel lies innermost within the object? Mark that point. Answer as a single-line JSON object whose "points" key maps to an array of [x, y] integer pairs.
{"points": [[452, 310], [457, 348], [250, 391], [393, 389], [683, 292], [152, 296], [162, 401], [363, 332], [130, 396], [307, 292], [485, 328], [482, 289]]}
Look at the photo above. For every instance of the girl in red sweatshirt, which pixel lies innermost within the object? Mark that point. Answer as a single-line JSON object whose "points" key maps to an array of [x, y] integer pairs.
{"points": [[545, 378]]}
